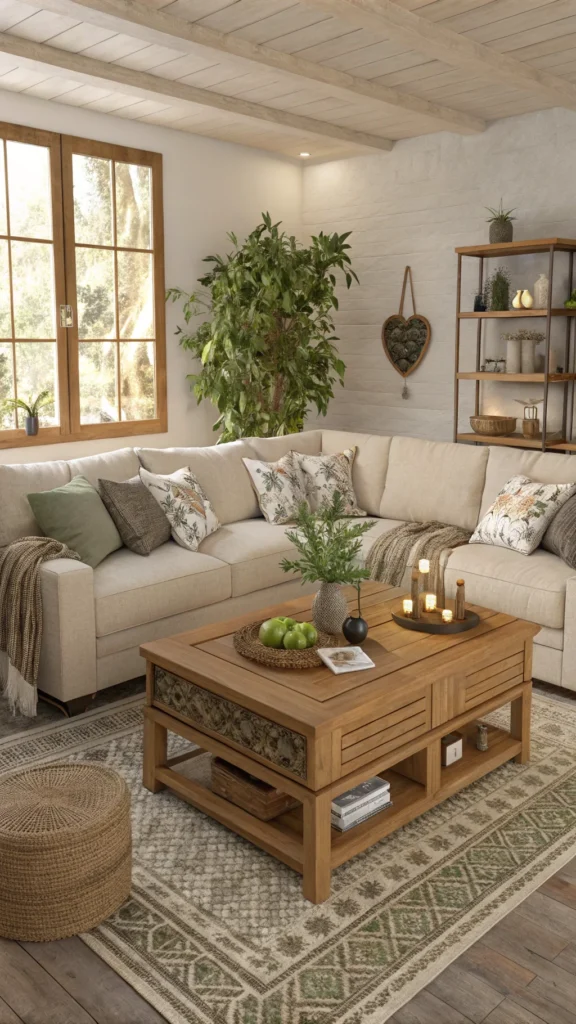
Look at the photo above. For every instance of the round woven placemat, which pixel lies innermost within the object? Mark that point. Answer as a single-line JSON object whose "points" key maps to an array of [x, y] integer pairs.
{"points": [[249, 646]]}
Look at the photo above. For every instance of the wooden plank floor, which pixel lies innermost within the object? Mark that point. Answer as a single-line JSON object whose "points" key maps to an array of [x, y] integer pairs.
{"points": [[521, 972]]}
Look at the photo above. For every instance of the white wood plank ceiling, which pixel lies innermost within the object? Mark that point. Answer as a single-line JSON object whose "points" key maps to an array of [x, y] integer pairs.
{"points": [[327, 77]]}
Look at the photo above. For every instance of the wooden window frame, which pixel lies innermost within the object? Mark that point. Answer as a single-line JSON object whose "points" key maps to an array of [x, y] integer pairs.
{"points": [[61, 148]]}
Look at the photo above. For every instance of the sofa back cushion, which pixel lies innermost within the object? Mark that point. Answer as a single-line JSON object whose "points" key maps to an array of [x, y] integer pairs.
{"points": [[544, 467], [433, 480], [219, 470], [118, 465], [271, 449], [369, 467], [16, 516]]}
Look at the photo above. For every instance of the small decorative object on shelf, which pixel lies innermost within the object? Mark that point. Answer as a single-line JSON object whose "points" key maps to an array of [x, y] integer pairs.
{"points": [[451, 747], [244, 790], [527, 299], [360, 803], [513, 352], [530, 423], [493, 426], [498, 287], [460, 607], [355, 628], [529, 340], [479, 303], [571, 302], [481, 736], [517, 300], [447, 615], [501, 227], [541, 290]]}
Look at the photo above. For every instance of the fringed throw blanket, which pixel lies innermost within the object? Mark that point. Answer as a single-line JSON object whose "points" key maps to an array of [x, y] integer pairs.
{"points": [[390, 553], [21, 616]]}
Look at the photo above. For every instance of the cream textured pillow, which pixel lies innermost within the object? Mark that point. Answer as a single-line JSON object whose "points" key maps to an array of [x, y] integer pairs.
{"points": [[521, 514], [279, 487], [325, 474], [185, 505]]}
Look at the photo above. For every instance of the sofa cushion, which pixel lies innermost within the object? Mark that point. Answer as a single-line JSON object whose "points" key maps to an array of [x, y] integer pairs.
{"points": [[280, 487], [75, 515], [253, 548], [503, 463], [218, 469], [370, 464], [130, 590], [118, 465], [16, 482], [521, 514], [434, 480], [137, 515], [328, 475], [270, 449], [532, 588], [185, 504]]}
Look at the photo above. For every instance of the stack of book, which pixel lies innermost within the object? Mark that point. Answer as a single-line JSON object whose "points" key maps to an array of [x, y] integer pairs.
{"points": [[360, 803]]}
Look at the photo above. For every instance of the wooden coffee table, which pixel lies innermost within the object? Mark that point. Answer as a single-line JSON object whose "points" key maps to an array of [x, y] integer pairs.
{"points": [[314, 734]]}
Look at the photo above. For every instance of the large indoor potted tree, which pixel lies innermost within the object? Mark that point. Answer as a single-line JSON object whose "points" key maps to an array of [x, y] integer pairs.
{"points": [[266, 349]]}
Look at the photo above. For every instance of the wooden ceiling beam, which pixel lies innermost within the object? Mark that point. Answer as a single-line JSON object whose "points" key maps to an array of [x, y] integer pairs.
{"points": [[173, 31], [89, 68], [443, 44]]}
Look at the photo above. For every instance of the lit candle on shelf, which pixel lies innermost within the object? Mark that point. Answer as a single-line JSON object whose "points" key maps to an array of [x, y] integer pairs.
{"points": [[430, 602], [424, 565], [447, 615], [407, 606]]}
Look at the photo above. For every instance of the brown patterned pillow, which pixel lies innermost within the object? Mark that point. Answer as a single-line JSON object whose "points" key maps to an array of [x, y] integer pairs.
{"points": [[560, 537], [137, 515]]}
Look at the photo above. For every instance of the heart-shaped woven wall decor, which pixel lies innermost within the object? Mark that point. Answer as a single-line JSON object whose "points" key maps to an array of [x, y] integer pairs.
{"points": [[405, 340]]}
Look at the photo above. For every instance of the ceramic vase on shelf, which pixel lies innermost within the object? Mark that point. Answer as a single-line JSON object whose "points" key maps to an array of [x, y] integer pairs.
{"points": [[526, 299], [517, 300], [541, 289], [528, 355], [329, 608], [513, 355]]}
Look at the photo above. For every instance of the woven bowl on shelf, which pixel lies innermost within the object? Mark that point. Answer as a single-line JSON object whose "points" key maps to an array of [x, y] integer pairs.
{"points": [[248, 644], [496, 426]]}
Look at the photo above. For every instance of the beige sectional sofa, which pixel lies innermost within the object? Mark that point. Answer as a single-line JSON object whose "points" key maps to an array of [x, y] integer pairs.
{"points": [[95, 620]]}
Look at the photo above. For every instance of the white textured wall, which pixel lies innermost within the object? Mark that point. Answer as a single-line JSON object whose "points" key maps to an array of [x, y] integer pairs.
{"points": [[210, 188], [413, 206]]}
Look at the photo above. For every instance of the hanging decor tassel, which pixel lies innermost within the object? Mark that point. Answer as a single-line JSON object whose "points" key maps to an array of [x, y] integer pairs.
{"points": [[405, 392], [405, 340]]}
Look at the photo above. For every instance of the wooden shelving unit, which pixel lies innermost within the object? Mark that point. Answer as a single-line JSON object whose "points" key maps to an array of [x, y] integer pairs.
{"points": [[562, 441]]}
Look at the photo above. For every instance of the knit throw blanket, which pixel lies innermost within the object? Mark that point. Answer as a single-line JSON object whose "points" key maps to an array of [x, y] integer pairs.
{"points": [[21, 616], [392, 552]]}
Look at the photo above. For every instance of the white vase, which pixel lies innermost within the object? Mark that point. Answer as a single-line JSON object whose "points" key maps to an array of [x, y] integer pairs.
{"points": [[541, 289], [528, 356], [526, 299], [517, 300], [513, 355]]}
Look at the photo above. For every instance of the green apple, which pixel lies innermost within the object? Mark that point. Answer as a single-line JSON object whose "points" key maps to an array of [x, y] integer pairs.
{"points": [[272, 632], [310, 632], [289, 623], [294, 640]]}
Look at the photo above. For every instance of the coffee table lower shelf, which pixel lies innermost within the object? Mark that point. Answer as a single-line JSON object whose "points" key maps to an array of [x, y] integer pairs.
{"points": [[302, 838]]}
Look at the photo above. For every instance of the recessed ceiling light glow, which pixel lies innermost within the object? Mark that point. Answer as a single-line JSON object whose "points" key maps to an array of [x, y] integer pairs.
{"points": [[304, 154]]}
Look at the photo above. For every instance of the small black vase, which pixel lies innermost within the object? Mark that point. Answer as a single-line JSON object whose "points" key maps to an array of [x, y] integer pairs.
{"points": [[355, 629]]}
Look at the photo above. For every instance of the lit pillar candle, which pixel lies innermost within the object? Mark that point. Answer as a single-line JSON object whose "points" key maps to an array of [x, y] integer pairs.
{"points": [[430, 602], [407, 607], [447, 615], [424, 565]]}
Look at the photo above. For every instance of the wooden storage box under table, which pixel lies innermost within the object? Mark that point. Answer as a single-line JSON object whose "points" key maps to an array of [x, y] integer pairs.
{"points": [[314, 735]]}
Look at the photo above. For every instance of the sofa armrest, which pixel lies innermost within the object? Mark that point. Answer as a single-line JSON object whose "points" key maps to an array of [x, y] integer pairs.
{"points": [[569, 653], [68, 653]]}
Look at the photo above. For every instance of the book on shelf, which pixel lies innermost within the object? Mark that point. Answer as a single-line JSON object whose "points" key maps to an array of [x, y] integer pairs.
{"points": [[369, 808], [364, 793], [343, 824], [345, 659]]}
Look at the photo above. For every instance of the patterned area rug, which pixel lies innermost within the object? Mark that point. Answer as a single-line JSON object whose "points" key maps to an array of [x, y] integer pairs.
{"points": [[217, 932]]}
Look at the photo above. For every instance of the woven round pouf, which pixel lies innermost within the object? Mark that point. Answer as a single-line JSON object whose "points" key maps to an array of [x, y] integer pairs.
{"points": [[65, 850]]}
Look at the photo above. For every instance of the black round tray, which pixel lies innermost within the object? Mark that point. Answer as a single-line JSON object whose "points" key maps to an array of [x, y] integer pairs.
{"points": [[432, 623]]}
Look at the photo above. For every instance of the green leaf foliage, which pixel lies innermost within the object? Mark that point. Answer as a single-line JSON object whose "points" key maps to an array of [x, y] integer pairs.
{"points": [[266, 349], [33, 405], [329, 545]]}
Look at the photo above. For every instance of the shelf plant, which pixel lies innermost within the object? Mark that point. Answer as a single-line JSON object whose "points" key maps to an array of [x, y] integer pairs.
{"points": [[32, 409], [497, 291], [501, 227], [267, 349], [330, 548]]}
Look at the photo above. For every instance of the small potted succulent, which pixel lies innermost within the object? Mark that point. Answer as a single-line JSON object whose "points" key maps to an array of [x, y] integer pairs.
{"points": [[329, 545], [32, 409], [501, 227]]}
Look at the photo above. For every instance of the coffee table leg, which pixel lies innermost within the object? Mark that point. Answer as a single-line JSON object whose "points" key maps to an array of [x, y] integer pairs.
{"points": [[155, 752], [317, 848], [520, 723]]}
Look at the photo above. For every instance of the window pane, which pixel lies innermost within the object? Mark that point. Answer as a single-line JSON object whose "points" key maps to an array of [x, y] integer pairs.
{"points": [[135, 295], [5, 325], [98, 388], [3, 224], [33, 289], [36, 371], [7, 416], [137, 392], [95, 293], [92, 178], [29, 190], [133, 205]]}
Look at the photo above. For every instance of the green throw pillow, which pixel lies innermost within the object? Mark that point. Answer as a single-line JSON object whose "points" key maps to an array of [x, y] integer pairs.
{"points": [[76, 515]]}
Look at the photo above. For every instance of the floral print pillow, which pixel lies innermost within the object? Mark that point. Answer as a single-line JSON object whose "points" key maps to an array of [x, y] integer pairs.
{"points": [[325, 474], [279, 487], [185, 505], [521, 514]]}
